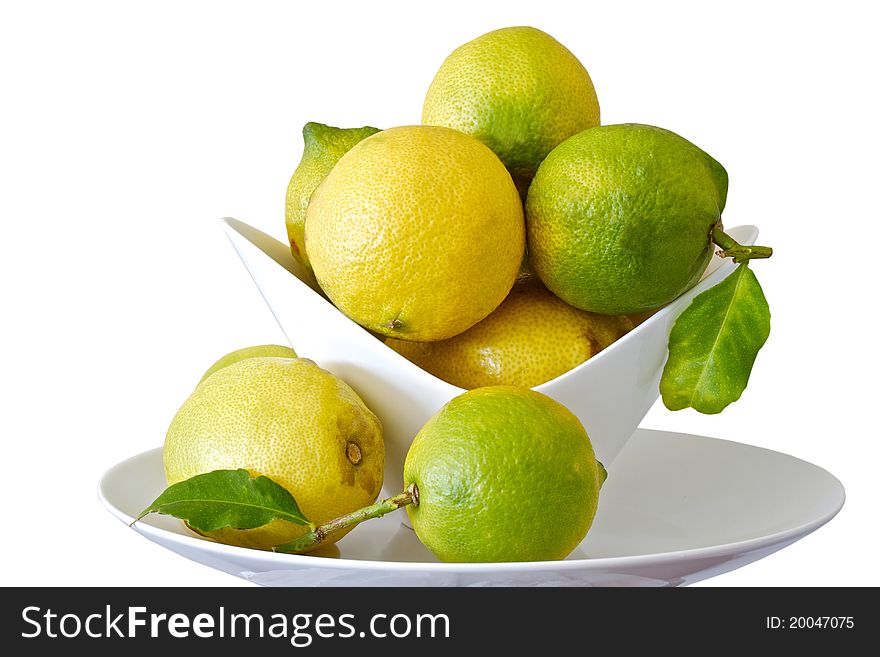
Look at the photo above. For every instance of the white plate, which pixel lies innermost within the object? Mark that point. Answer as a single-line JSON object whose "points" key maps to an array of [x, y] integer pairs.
{"points": [[676, 509]]}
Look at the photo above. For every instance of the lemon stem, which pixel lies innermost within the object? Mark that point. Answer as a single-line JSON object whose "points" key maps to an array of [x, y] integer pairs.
{"points": [[325, 529], [733, 249]]}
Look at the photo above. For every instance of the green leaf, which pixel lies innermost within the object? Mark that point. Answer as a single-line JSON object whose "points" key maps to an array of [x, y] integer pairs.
{"points": [[227, 498], [713, 344]]}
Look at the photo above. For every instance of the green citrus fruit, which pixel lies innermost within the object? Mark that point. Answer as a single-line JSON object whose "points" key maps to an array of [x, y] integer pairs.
{"points": [[249, 352], [532, 337], [503, 474], [323, 146], [516, 89], [620, 217], [416, 233], [286, 419]]}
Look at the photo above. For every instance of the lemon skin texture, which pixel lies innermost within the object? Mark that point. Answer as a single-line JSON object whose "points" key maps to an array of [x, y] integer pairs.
{"points": [[620, 217], [275, 350], [531, 338], [519, 91], [417, 233], [286, 419], [504, 474]]}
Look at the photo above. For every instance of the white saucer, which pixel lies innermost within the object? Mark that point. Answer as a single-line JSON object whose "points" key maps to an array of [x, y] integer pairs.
{"points": [[676, 509]]}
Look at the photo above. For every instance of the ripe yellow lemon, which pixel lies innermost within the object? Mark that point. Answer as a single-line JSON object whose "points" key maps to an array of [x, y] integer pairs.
{"points": [[516, 89], [286, 419], [417, 233], [532, 337], [503, 474]]}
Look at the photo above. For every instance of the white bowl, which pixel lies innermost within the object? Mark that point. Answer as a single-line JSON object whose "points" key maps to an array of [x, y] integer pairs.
{"points": [[610, 393]]}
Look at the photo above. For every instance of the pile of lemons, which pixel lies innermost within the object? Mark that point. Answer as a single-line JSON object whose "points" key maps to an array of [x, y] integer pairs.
{"points": [[420, 233], [500, 243]]}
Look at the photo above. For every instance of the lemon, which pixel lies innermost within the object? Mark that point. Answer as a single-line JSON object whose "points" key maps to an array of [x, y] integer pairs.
{"points": [[323, 145], [417, 233], [516, 89], [503, 474], [619, 217], [249, 352], [286, 419], [532, 337]]}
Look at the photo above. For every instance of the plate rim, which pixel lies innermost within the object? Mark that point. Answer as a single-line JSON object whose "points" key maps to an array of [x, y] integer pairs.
{"points": [[298, 561]]}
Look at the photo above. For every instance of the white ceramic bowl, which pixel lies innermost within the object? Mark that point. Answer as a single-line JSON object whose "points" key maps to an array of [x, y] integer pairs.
{"points": [[610, 393]]}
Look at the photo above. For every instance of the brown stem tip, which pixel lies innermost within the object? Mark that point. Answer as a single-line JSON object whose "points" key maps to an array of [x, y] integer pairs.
{"points": [[353, 453]]}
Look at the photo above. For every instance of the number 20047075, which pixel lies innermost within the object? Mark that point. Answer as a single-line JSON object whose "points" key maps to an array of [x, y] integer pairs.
{"points": [[810, 623]]}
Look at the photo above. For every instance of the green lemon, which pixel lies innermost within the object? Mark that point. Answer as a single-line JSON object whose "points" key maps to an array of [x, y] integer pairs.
{"points": [[619, 218], [249, 352], [519, 91], [323, 146], [503, 474]]}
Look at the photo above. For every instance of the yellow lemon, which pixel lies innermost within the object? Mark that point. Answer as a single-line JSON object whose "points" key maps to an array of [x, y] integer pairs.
{"points": [[417, 232], [519, 91], [291, 421], [532, 337]]}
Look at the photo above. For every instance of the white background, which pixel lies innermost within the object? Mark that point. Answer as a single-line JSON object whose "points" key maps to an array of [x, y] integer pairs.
{"points": [[128, 129]]}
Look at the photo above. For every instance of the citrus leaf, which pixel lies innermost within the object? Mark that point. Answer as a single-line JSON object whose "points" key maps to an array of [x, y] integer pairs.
{"points": [[713, 344], [227, 498]]}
